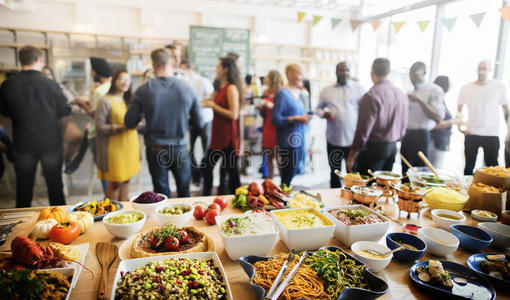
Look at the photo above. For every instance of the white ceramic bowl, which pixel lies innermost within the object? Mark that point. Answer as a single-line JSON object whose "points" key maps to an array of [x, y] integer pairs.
{"points": [[445, 223], [304, 238], [148, 208], [476, 216], [124, 230], [251, 244], [439, 242], [499, 232], [348, 234], [177, 220], [375, 264]]}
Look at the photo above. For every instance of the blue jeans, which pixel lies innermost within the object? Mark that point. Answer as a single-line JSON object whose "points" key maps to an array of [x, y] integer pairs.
{"points": [[162, 159], [289, 163]]}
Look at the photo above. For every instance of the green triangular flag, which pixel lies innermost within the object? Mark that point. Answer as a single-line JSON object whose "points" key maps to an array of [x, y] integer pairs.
{"points": [[334, 22], [316, 20], [423, 25], [449, 23]]}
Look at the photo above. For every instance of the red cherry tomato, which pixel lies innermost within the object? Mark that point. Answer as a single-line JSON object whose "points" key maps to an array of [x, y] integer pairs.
{"points": [[182, 235], [172, 243], [214, 206], [210, 217], [199, 212], [154, 242], [221, 201], [65, 233]]}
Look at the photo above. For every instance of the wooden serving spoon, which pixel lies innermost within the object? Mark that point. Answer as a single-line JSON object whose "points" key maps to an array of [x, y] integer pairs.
{"points": [[428, 163], [106, 254]]}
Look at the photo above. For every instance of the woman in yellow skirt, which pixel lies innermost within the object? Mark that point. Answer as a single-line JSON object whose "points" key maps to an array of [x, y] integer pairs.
{"points": [[117, 148]]}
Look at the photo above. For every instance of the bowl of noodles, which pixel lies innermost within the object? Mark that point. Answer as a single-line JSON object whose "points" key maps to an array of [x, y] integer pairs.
{"points": [[328, 273]]}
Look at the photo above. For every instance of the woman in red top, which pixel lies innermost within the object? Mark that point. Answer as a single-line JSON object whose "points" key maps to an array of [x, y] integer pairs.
{"points": [[274, 82], [225, 137]]}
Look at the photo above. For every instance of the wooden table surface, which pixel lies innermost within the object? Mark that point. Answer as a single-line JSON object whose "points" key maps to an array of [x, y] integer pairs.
{"points": [[396, 273]]}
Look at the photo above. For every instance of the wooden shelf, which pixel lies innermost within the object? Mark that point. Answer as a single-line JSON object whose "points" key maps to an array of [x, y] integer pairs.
{"points": [[294, 59], [157, 38], [9, 68], [18, 46], [303, 47], [140, 52]]}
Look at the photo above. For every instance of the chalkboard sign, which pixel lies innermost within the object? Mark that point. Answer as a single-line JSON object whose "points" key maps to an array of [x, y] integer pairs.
{"points": [[207, 44]]}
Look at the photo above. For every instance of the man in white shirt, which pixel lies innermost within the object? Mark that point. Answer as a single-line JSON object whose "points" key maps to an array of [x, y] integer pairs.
{"points": [[426, 109], [203, 88], [339, 104], [483, 98]]}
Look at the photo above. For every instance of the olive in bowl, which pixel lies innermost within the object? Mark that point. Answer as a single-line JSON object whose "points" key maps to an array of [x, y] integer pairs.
{"points": [[178, 214]]}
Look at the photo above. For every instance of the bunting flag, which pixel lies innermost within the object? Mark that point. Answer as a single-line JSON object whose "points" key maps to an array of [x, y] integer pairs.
{"points": [[423, 25], [375, 24], [316, 20], [355, 24], [398, 25], [477, 18], [300, 16], [505, 12], [335, 22], [449, 23]]}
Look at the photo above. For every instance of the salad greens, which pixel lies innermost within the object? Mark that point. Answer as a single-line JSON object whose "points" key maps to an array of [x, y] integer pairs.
{"points": [[240, 202], [336, 271], [21, 284]]}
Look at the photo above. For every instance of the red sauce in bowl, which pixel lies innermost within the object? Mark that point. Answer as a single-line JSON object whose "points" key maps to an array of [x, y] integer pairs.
{"points": [[411, 228]]}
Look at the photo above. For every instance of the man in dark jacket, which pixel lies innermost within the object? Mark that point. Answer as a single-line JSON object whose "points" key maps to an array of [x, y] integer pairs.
{"points": [[166, 103], [37, 108]]}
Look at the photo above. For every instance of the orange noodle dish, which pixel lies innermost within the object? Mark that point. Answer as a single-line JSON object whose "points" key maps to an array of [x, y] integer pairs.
{"points": [[324, 274]]}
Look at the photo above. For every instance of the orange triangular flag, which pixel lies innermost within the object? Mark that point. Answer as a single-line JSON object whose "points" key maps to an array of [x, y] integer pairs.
{"points": [[505, 12], [375, 24], [300, 16], [398, 25], [355, 24]]}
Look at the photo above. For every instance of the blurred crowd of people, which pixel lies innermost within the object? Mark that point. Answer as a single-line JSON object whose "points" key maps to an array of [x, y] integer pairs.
{"points": [[175, 106]]}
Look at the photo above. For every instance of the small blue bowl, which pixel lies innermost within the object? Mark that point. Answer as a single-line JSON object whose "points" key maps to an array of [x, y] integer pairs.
{"points": [[471, 238], [406, 238]]}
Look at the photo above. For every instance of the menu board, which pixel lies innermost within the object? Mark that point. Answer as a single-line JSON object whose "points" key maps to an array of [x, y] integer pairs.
{"points": [[207, 44]]}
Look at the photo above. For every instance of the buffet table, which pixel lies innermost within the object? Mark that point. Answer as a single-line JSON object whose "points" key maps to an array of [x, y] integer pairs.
{"points": [[396, 273]]}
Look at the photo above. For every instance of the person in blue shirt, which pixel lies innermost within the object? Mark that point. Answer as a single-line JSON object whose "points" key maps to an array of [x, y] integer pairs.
{"points": [[289, 118]]}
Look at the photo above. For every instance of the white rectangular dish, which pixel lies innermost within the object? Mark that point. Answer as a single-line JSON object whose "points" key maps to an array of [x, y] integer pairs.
{"points": [[304, 238], [84, 248], [250, 244], [68, 271], [349, 234], [131, 264]]}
